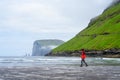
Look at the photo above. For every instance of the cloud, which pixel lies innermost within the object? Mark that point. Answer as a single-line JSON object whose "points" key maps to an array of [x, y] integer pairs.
{"points": [[34, 9], [34, 17], [47, 16]]}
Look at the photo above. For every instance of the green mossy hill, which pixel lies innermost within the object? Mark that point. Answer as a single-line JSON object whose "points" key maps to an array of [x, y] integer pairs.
{"points": [[102, 33]]}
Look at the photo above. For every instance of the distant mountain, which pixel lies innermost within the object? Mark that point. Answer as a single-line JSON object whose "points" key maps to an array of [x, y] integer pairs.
{"points": [[102, 34], [43, 47]]}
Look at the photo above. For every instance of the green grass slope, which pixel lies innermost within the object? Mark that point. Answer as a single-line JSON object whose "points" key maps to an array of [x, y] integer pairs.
{"points": [[103, 32]]}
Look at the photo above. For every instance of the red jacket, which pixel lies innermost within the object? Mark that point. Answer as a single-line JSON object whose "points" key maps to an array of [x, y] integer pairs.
{"points": [[83, 55]]}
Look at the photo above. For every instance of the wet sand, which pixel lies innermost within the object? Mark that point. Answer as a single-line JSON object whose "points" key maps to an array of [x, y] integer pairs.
{"points": [[61, 72]]}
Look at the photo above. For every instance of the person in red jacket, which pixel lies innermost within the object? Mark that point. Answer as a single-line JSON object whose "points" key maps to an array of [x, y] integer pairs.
{"points": [[83, 56]]}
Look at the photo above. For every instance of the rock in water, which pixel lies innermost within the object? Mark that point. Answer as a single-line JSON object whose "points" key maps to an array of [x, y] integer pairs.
{"points": [[43, 47]]}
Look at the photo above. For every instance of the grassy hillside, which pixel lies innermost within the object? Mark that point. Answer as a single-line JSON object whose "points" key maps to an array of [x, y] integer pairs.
{"points": [[103, 32]]}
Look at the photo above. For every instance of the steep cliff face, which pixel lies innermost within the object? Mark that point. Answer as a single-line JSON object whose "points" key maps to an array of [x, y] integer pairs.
{"points": [[43, 47], [102, 34]]}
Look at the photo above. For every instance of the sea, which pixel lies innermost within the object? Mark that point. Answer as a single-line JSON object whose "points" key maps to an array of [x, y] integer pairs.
{"points": [[36, 61]]}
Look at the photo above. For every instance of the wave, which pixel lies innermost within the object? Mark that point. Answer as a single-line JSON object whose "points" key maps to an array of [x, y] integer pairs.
{"points": [[38, 61]]}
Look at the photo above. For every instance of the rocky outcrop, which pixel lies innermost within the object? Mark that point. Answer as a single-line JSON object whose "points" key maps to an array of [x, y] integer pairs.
{"points": [[43, 47], [91, 53]]}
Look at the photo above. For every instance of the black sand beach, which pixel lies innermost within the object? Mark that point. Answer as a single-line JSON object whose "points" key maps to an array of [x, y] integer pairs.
{"points": [[61, 72]]}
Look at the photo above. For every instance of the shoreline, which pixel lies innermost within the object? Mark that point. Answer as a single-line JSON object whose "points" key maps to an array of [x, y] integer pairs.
{"points": [[94, 56]]}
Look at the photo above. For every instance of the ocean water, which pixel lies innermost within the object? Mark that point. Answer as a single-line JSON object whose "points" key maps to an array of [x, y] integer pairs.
{"points": [[47, 61]]}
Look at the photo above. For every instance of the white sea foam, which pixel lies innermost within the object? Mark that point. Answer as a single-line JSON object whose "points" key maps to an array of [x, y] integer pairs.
{"points": [[38, 61]]}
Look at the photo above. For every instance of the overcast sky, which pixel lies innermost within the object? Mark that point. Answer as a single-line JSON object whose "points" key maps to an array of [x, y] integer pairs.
{"points": [[24, 21]]}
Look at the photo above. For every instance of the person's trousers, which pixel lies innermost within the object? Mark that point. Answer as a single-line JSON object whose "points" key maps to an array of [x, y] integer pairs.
{"points": [[83, 61]]}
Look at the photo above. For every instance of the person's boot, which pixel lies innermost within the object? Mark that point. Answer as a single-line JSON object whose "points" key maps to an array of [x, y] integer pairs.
{"points": [[80, 65], [86, 65]]}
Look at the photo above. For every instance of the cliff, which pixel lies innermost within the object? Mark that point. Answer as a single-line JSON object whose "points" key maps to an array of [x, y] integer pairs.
{"points": [[43, 47]]}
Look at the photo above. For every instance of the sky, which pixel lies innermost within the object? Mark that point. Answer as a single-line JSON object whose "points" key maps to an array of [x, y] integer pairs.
{"points": [[24, 21]]}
